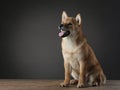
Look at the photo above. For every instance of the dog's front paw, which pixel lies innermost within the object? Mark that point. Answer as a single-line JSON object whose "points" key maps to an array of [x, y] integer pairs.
{"points": [[63, 84], [80, 85]]}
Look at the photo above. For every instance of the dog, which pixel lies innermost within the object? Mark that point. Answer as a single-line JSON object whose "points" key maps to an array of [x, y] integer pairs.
{"points": [[80, 61]]}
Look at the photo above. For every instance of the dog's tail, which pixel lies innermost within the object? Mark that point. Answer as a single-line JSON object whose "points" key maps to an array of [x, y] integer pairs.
{"points": [[102, 78]]}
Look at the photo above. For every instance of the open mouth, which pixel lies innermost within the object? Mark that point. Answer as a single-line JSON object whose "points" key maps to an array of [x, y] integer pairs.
{"points": [[63, 33]]}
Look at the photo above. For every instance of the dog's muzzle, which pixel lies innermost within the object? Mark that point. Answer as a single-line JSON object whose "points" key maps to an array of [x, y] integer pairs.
{"points": [[63, 31]]}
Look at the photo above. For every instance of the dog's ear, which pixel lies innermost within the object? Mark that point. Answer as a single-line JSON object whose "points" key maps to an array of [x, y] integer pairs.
{"points": [[78, 19], [64, 16]]}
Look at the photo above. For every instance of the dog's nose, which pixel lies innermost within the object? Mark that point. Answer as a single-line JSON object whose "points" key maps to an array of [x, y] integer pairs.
{"points": [[61, 26]]}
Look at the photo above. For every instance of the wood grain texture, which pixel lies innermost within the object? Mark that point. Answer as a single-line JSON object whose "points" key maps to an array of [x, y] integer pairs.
{"points": [[36, 84]]}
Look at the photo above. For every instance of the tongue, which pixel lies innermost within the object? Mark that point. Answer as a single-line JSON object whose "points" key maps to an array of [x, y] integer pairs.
{"points": [[62, 33]]}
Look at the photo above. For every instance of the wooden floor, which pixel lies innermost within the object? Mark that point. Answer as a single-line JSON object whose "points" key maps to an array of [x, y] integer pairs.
{"points": [[30, 84]]}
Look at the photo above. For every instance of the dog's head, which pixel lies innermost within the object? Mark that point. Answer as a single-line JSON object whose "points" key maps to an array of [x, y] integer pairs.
{"points": [[69, 25]]}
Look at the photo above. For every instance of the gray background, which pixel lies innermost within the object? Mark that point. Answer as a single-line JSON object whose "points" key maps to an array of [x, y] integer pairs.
{"points": [[29, 42]]}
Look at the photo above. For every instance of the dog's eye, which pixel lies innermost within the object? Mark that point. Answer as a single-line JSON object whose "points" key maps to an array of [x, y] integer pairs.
{"points": [[69, 24]]}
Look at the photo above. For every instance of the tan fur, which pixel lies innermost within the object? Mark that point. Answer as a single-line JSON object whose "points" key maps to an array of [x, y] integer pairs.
{"points": [[79, 58]]}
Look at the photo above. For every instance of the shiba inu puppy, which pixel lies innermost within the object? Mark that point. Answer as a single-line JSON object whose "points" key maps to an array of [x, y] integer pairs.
{"points": [[80, 61]]}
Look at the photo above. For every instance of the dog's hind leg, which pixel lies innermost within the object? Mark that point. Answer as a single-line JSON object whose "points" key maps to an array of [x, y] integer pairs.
{"points": [[93, 80]]}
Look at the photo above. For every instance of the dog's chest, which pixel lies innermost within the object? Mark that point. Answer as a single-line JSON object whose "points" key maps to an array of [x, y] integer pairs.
{"points": [[70, 51]]}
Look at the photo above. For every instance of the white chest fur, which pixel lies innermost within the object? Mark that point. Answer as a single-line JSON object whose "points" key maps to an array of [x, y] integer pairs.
{"points": [[68, 44], [72, 52]]}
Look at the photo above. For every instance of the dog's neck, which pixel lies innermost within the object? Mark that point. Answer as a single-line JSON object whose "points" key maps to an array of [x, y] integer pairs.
{"points": [[75, 38], [72, 43]]}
